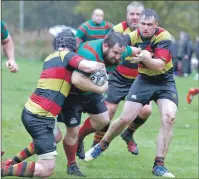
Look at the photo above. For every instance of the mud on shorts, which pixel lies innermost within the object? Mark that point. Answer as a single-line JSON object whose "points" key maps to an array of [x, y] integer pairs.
{"points": [[118, 88], [75, 104], [143, 90], [41, 130]]}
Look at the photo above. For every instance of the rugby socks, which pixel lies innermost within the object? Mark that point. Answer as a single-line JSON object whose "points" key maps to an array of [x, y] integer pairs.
{"points": [[25, 153], [85, 130], [99, 135], [135, 125], [70, 152], [158, 161], [23, 169]]}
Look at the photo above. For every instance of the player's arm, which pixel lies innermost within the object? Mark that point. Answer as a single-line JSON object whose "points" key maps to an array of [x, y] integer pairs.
{"points": [[81, 33], [75, 61], [130, 52], [161, 56], [84, 83], [8, 48]]}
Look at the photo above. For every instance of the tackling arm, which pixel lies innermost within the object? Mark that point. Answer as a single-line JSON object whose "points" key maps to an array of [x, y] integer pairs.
{"points": [[90, 66], [84, 83]]}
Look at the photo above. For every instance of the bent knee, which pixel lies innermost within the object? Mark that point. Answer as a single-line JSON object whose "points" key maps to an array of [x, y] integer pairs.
{"points": [[126, 120], [58, 136], [72, 132], [145, 112]]}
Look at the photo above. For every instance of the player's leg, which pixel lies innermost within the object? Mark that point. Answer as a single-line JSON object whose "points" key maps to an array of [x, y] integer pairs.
{"points": [[71, 116], [135, 100], [99, 118], [127, 135], [112, 108], [118, 88], [167, 101], [41, 130], [30, 150]]}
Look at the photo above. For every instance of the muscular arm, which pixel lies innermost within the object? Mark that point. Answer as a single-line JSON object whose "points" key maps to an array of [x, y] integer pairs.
{"points": [[90, 66], [153, 63], [84, 83]]}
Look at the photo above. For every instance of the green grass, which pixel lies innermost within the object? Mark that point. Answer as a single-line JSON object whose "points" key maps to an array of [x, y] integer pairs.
{"points": [[116, 162]]}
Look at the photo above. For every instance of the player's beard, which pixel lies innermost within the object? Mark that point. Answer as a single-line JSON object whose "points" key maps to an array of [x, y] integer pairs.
{"points": [[108, 60], [132, 27]]}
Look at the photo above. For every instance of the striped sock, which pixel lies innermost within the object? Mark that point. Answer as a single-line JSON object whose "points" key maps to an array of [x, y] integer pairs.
{"points": [[25, 153], [23, 169], [99, 135], [136, 124]]}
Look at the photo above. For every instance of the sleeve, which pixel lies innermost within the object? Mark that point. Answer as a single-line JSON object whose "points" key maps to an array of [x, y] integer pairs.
{"points": [[4, 31], [81, 31], [127, 53], [162, 48], [72, 59]]}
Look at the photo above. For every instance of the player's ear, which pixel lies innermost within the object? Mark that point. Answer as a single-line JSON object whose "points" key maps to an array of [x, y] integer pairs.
{"points": [[105, 46]]}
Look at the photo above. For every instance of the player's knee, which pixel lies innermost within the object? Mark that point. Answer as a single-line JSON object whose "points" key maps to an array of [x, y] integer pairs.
{"points": [[49, 171], [145, 112], [125, 120], [168, 120], [72, 133], [45, 168], [111, 114], [58, 135]]}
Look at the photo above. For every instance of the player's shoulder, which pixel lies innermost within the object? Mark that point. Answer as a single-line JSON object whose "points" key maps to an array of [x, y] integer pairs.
{"points": [[134, 35], [120, 27], [162, 35]]}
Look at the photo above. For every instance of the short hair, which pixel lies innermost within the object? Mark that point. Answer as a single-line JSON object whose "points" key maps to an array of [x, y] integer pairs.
{"points": [[115, 38], [148, 13], [97, 9], [134, 4], [63, 40]]}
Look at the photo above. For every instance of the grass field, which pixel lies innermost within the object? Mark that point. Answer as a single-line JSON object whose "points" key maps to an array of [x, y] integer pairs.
{"points": [[116, 162]]}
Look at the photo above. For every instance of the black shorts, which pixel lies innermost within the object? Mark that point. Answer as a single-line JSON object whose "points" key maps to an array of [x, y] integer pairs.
{"points": [[118, 88], [75, 104], [143, 91], [41, 131]]}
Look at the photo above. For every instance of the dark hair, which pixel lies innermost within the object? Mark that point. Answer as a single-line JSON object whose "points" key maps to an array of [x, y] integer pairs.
{"points": [[65, 39], [148, 13], [115, 38]]}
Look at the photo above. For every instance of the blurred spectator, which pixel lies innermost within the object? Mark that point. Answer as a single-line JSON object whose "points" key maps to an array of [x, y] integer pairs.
{"points": [[186, 61], [174, 51], [93, 29], [196, 50], [182, 53]]}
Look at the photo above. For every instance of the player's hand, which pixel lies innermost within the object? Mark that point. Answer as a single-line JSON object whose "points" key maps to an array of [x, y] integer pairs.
{"points": [[136, 50], [143, 55], [12, 65]]}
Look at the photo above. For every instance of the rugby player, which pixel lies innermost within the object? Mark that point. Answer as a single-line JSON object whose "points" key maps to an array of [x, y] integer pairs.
{"points": [[8, 48], [120, 82], [42, 107], [108, 51], [155, 82], [93, 29]]}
